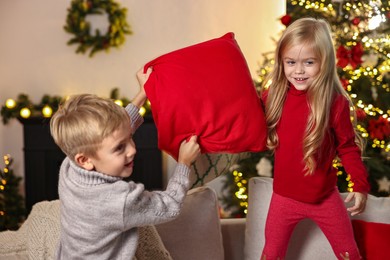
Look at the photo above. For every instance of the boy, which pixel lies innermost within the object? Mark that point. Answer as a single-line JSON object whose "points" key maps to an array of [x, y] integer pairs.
{"points": [[100, 212]]}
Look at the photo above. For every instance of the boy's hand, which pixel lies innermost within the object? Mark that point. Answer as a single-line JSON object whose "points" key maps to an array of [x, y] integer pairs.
{"points": [[189, 151], [360, 202], [142, 77]]}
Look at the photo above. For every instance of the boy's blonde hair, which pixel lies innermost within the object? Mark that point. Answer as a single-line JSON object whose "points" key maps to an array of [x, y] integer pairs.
{"points": [[83, 121], [315, 34]]}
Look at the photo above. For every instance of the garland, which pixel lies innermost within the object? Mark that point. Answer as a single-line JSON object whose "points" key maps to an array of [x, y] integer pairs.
{"points": [[77, 25], [23, 107]]}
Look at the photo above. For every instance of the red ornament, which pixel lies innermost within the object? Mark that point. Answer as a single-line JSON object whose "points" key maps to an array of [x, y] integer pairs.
{"points": [[360, 114], [286, 20], [379, 129], [89, 4], [356, 21], [352, 56], [344, 83]]}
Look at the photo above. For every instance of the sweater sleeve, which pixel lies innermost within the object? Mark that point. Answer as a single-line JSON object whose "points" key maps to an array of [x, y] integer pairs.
{"points": [[347, 149], [136, 118], [144, 207]]}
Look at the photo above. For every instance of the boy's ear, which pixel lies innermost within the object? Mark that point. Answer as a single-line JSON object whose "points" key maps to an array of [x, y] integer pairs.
{"points": [[84, 161]]}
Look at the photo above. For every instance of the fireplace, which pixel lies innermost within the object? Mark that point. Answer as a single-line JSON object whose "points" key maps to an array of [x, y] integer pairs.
{"points": [[43, 158]]}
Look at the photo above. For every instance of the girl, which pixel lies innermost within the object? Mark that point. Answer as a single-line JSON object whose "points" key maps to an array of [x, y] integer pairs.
{"points": [[309, 124]]}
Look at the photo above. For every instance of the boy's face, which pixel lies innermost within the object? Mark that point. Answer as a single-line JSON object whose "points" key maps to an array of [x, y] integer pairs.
{"points": [[301, 66], [115, 157]]}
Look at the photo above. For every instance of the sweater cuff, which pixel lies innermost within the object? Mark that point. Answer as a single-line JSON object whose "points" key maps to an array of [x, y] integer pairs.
{"points": [[136, 118], [183, 169]]}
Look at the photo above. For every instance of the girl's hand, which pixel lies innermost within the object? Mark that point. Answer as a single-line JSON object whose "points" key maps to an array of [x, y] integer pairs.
{"points": [[345, 257], [360, 202]]}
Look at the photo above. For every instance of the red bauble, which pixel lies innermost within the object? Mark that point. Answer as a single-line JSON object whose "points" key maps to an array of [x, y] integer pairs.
{"points": [[89, 4], [344, 83], [356, 21], [286, 20], [360, 114], [379, 128]]}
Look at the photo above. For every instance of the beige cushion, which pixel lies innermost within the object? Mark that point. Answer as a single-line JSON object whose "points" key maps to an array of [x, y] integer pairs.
{"points": [[196, 233], [307, 241], [150, 246], [38, 237]]}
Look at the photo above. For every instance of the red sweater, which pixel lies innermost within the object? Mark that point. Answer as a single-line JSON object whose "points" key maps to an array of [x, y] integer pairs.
{"points": [[289, 175]]}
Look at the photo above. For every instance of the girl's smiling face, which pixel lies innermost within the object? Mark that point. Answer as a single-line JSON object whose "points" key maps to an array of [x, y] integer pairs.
{"points": [[300, 65]]}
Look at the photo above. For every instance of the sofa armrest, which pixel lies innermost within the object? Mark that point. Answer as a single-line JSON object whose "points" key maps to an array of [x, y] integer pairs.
{"points": [[196, 233], [233, 234]]}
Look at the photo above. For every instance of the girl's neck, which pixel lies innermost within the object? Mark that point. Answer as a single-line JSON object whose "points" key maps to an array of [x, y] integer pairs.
{"points": [[293, 90]]}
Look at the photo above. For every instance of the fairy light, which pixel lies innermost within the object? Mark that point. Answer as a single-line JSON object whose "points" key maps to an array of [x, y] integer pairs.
{"points": [[350, 183], [241, 193], [10, 103], [142, 111], [25, 112], [7, 162], [118, 102], [376, 18], [47, 111]]}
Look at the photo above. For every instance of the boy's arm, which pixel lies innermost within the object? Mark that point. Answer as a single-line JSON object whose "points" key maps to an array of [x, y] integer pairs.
{"points": [[148, 208], [142, 77], [135, 117], [144, 207], [138, 101]]}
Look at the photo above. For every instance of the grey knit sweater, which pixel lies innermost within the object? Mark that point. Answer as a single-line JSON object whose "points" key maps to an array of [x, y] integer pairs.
{"points": [[100, 213]]}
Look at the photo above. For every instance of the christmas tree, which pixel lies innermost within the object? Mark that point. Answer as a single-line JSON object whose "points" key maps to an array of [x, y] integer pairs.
{"points": [[12, 210], [362, 43]]}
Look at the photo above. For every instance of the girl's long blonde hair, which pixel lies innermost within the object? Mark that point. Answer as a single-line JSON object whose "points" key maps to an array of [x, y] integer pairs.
{"points": [[317, 35]]}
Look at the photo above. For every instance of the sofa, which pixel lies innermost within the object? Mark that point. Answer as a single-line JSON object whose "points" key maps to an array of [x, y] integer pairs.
{"points": [[199, 234]]}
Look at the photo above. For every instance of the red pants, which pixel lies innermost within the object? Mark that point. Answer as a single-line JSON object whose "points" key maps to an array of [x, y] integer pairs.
{"points": [[330, 215]]}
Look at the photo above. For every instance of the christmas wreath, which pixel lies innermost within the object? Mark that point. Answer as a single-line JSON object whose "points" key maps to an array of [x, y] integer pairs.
{"points": [[77, 25]]}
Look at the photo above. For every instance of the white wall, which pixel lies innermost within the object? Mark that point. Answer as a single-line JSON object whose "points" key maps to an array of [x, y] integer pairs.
{"points": [[35, 60]]}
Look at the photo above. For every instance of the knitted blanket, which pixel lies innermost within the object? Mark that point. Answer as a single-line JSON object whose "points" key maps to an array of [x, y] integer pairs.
{"points": [[38, 237]]}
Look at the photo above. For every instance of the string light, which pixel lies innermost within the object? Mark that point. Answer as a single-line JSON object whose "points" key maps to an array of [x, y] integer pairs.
{"points": [[24, 108], [10, 103], [142, 111], [119, 102], [47, 111], [25, 112], [241, 192]]}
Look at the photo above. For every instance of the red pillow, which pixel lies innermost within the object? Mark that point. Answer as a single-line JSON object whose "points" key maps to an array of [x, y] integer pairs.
{"points": [[373, 239], [206, 89]]}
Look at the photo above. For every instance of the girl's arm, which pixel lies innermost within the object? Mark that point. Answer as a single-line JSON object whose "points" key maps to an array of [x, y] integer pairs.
{"points": [[350, 155]]}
